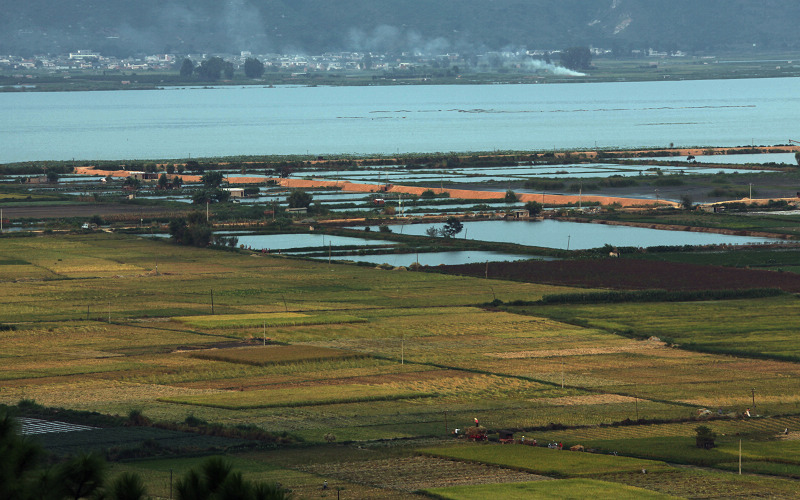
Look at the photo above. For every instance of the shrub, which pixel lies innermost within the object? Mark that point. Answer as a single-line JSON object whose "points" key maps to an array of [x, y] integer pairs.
{"points": [[705, 437]]}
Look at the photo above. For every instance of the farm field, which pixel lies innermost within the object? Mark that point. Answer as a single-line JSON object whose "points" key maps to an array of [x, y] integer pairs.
{"points": [[753, 327], [542, 460], [632, 274], [566, 488], [777, 260], [362, 366]]}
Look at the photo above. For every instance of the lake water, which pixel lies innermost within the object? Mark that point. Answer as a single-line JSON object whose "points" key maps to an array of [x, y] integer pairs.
{"points": [[194, 122], [274, 242], [578, 236], [436, 258]]}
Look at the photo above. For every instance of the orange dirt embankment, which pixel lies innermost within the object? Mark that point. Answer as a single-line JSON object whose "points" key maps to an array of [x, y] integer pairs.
{"points": [[680, 151], [126, 173], [550, 199]]}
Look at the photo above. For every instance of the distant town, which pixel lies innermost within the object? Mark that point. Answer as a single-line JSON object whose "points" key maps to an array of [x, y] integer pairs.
{"points": [[90, 60]]}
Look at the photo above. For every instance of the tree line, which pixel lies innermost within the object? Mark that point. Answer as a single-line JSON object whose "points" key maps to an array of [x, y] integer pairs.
{"points": [[215, 67]]}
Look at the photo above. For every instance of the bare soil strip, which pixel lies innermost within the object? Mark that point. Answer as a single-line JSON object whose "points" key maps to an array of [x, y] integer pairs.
{"points": [[416, 473]]}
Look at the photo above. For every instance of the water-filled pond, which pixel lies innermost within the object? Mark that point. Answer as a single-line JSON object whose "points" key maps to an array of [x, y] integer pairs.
{"points": [[437, 258], [576, 236], [283, 241]]}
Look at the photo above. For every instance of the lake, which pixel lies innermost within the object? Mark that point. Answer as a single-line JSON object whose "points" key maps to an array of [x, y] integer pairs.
{"points": [[436, 258], [197, 122], [578, 236]]}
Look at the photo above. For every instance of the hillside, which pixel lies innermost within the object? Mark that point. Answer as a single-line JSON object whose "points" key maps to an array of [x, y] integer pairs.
{"points": [[315, 26]]}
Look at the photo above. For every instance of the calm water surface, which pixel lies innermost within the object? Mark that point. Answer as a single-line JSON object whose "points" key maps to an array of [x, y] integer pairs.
{"points": [[179, 123], [436, 258], [579, 236]]}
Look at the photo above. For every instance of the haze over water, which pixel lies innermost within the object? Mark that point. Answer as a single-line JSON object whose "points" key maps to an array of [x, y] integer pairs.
{"points": [[196, 122]]}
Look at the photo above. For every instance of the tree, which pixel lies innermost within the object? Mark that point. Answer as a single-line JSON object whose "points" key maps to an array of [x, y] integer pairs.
{"points": [[452, 227], [797, 158], [227, 68], [170, 169], [127, 486], [686, 202], [533, 208], [366, 61], [132, 182], [191, 231], [253, 68], [210, 195], [299, 199], [187, 68], [511, 197], [19, 458], [705, 437], [163, 181], [52, 177], [212, 179], [432, 232], [576, 58], [211, 69], [82, 476], [217, 479]]}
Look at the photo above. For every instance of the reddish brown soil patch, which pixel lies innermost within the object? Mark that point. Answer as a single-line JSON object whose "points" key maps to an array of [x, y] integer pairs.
{"points": [[629, 274]]}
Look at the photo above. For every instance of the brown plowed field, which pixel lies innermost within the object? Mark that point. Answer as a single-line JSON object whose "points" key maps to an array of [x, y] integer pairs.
{"points": [[629, 274]]}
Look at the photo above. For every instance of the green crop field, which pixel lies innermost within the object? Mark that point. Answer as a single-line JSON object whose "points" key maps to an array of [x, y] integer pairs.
{"points": [[267, 355], [265, 320], [542, 460], [113, 323], [563, 489], [301, 396], [759, 327]]}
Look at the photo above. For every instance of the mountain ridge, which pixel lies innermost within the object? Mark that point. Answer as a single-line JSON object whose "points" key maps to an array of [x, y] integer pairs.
{"points": [[316, 26]]}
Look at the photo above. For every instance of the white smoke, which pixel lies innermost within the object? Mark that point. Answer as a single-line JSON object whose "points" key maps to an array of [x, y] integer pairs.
{"points": [[243, 24], [539, 65], [385, 38]]}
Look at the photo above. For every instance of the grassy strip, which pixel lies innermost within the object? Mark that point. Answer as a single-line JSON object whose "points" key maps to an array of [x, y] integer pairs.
{"points": [[297, 396], [258, 319], [540, 460], [271, 355], [565, 488]]}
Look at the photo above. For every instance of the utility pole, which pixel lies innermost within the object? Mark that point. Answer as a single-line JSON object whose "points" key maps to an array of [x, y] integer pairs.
{"points": [[740, 457], [754, 396], [212, 301]]}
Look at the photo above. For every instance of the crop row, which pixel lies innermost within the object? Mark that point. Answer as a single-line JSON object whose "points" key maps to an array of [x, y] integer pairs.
{"points": [[267, 355], [298, 396]]}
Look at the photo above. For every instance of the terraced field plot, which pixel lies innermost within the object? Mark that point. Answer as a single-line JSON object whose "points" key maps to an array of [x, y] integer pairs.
{"points": [[386, 355], [761, 327], [567, 488]]}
